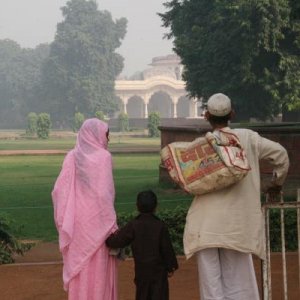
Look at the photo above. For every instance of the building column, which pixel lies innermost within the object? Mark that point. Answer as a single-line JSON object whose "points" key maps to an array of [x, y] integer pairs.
{"points": [[174, 102], [146, 99], [124, 101], [146, 110]]}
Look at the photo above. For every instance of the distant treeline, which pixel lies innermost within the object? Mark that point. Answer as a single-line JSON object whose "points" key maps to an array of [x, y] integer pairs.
{"points": [[75, 73]]}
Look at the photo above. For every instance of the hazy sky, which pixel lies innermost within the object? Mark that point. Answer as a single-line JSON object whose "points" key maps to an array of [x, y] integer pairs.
{"points": [[31, 22]]}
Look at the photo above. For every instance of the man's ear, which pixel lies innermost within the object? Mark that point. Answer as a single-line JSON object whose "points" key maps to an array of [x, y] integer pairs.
{"points": [[206, 115]]}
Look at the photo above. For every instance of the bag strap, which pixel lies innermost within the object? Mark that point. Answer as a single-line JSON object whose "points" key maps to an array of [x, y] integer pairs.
{"points": [[232, 142]]}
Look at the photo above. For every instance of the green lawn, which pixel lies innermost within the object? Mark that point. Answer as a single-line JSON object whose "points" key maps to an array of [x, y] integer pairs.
{"points": [[36, 144], [26, 183], [66, 141]]}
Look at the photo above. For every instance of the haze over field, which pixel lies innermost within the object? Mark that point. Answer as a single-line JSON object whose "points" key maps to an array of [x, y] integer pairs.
{"points": [[32, 22]]}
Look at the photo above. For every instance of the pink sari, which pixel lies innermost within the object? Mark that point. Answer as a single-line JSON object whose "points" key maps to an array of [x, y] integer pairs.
{"points": [[83, 200]]}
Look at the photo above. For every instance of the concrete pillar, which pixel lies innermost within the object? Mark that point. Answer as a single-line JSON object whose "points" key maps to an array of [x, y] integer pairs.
{"points": [[125, 101], [174, 102], [146, 99], [146, 110]]}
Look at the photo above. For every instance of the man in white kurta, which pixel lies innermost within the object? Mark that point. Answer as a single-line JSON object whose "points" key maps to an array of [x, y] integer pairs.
{"points": [[225, 227]]}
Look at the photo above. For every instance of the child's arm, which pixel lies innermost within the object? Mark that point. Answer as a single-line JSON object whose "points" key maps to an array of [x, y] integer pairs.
{"points": [[121, 238], [168, 252]]}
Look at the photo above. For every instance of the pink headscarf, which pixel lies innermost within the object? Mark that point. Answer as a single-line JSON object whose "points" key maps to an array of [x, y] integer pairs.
{"points": [[83, 198]]}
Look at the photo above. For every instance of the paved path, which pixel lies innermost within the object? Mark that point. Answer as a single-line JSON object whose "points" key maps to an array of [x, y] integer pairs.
{"points": [[38, 275]]}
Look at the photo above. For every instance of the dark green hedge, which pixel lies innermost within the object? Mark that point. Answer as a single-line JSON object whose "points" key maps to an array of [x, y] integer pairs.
{"points": [[290, 220], [175, 220]]}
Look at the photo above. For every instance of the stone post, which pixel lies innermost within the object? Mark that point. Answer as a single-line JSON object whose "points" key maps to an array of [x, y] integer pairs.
{"points": [[174, 102]]}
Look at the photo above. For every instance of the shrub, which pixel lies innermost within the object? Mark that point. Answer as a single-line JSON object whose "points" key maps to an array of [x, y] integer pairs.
{"points": [[175, 220], [100, 115], [290, 220], [31, 123], [78, 120], [43, 125], [153, 123], [123, 122], [9, 245]]}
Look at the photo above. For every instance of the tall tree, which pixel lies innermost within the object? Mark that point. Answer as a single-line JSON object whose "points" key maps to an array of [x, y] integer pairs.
{"points": [[291, 58], [19, 78], [8, 51], [248, 49], [81, 70]]}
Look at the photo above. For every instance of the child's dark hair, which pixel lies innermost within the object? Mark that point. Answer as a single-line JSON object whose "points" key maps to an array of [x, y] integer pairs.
{"points": [[146, 201]]}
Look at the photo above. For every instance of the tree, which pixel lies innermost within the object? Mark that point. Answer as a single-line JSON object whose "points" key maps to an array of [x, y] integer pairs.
{"points": [[43, 125], [100, 115], [153, 123], [9, 50], [19, 81], [81, 70], [248, 49], [31, 123], [78, 120], [291, 61], [123, 122]]}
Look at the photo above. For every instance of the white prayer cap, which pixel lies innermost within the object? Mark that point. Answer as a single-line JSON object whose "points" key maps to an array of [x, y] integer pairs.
{"points": [[219, 105]]}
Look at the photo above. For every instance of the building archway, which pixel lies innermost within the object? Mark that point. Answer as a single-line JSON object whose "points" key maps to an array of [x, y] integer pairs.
{"points": [[162, 80], [161, 102], [183, 107], [135, 107]]}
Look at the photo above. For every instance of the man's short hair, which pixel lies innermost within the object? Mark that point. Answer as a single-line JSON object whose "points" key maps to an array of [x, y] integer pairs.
{"points": [[146, 201], [219, 120]]}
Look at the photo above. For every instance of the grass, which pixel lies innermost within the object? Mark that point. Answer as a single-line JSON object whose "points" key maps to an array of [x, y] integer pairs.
{"points": [[26, 183], [66, 140], [35, 144]]}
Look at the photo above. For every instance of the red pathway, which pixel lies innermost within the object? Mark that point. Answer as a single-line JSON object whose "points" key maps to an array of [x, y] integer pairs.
{"points": [[37, 275]]}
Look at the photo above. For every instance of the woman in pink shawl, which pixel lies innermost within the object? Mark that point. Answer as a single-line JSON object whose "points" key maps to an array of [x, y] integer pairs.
{"points": [[83, 199]]}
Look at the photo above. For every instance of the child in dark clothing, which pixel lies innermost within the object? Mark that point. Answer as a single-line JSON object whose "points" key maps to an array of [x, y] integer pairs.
{"points": [[152, 249]]}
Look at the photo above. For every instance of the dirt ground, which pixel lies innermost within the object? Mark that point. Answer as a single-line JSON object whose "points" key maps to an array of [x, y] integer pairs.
{"points": [[37, 275]]}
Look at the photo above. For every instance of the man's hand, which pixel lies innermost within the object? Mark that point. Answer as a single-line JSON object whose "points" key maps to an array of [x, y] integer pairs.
{"points": [[273, 190], [170, 274]]}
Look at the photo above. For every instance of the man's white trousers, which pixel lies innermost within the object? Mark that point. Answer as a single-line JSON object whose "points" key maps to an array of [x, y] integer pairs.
{"points": [[226, 275]]}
